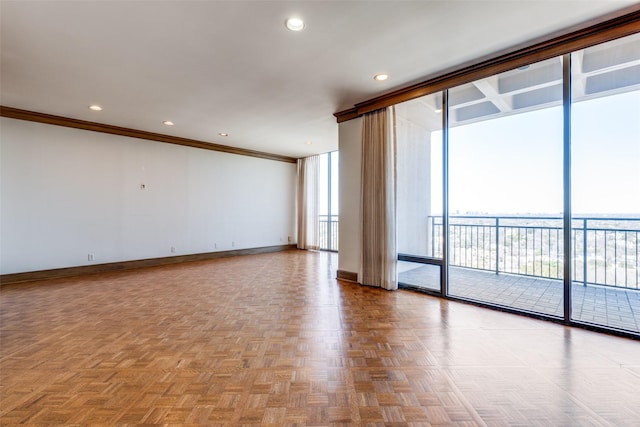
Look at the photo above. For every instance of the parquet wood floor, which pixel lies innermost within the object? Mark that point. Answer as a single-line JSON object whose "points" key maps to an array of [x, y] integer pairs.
{"points": [[275, 340]]}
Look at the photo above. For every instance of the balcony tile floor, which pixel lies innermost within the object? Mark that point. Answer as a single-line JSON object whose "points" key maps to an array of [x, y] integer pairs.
{"points": [[613, 307]]}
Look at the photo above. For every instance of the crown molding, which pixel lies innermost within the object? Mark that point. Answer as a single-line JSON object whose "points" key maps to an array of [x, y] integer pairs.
{"points": [[32, 116]]}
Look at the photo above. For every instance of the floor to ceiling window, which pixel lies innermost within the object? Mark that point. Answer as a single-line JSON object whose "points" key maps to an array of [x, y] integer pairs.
{"points": [[605, 149], [529, 197], [419, 192], [328, 203], [505, 189]]}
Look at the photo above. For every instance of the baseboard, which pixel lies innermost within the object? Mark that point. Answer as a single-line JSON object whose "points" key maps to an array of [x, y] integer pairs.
{"points": [[31, 276], [347, 275]]}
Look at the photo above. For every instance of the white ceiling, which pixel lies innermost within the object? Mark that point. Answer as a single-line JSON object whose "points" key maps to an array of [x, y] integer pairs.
{"points": [[232, 66]]}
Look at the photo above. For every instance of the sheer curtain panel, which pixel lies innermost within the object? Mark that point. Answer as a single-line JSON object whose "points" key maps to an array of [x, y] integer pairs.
{"points": [[308, 182], [378, 197]]}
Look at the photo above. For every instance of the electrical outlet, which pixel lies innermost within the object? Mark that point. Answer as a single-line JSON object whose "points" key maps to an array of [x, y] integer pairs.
{"points": [[233, 244], [215, 246], [173, 249], [289, 239], [90, 257]]}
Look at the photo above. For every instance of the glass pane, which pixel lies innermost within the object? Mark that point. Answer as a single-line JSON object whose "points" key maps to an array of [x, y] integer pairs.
{"points": [[333, 218], [419, 176], [323, 191], [335, 168], [606, 184], [328, 201], [505, 189], [420, 276], [324, 225]]}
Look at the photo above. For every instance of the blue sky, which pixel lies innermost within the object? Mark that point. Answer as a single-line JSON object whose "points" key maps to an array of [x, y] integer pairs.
{"points": [[513, 165]]}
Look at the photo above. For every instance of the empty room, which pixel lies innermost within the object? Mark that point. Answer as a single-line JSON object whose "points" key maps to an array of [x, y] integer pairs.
{"points": [[320, 213]]}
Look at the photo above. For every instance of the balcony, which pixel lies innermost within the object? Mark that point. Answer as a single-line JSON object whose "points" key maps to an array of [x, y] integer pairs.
{"points": [[328, 231], [518, 262]]}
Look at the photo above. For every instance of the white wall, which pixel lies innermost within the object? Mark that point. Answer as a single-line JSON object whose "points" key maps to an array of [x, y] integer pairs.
{"points": [[66, 193], [350, 141]]}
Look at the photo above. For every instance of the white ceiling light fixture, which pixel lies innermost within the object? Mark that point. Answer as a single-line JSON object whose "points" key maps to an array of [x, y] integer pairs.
{"points": [[168, 123], [380, 77], [294, 24], [223, 134], [95, 108], [309, 142]]}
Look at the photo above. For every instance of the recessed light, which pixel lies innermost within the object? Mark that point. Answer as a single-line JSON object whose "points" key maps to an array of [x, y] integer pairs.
{"points": [[294, 24], [168, 123], [438, 110], [95, 108], [309, 142], [223, 134], [380, 77]]}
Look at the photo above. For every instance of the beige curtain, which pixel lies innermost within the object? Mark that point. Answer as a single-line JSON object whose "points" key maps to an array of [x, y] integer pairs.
{"points": [[308, 182], [378, 198]]}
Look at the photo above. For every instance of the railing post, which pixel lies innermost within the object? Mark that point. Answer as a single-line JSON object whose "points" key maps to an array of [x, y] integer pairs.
{"points": [[497, 245], [584, 251], [433, 229], [329, 212]]}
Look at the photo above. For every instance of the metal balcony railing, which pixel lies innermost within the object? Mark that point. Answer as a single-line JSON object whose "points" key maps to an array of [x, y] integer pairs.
{"points": [[605, 250], [328, 230]]}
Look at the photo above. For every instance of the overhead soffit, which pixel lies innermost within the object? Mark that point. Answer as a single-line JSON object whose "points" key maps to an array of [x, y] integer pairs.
{"points": [[599, 70]]}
